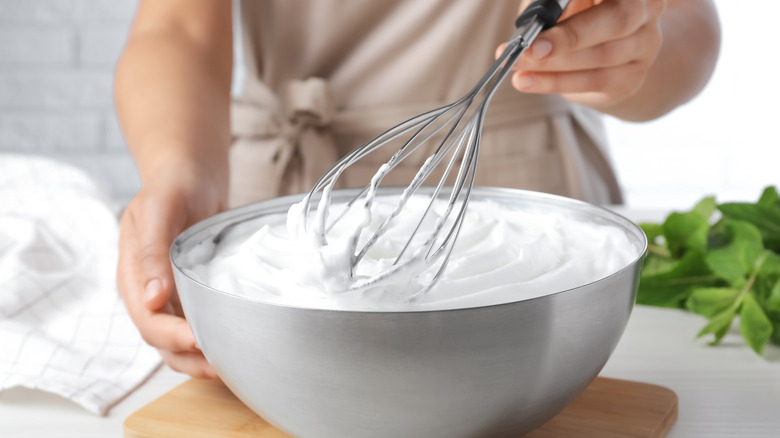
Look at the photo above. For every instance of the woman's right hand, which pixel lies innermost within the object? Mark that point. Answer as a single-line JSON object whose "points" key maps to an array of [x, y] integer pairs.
{"points": [[174, 198]]}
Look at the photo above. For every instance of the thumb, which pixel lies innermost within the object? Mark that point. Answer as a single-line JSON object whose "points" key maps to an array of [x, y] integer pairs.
{"points": [[499, 50], [156, 231]]}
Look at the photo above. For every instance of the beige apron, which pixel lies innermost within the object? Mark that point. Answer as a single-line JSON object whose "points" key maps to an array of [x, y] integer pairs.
{"points": [[324, 76]]}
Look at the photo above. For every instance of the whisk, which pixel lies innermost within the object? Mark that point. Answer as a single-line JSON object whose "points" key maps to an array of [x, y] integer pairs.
{"points": [[461, 124]]}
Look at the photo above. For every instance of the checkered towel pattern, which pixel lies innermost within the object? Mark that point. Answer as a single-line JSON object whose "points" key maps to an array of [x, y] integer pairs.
{"points": [[63, 326]]}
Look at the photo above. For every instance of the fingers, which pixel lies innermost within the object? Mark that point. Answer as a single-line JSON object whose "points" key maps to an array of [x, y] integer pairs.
{"points": [[613, 81], [607, 21], [641, 45], [194, 364], [595, 35], [598, 54], [167, 332]]}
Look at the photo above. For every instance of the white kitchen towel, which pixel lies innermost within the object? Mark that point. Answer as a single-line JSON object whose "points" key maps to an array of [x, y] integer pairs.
{"points": [[63, 327]]}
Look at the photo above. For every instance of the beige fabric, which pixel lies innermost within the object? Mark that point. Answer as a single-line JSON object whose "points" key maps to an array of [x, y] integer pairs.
{"points": [[324, 76]]}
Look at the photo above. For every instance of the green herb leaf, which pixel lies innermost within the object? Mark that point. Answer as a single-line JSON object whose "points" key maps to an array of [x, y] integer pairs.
{"points": [[655, 265], [688, 231], [671, 287], [735, 260], [771, 265], [719, 325], [655, 248], [775, 338], [719, 270], [766, 219], [710, 301], [762, 289], [705, 207], [652, 231], [773, 301], [770, 198], [755, 326]]}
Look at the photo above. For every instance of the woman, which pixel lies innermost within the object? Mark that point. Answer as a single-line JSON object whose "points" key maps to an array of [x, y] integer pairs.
{"points": [[326, 75]]}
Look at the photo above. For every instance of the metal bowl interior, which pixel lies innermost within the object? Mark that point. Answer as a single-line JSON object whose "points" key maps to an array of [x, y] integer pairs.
{"points": [[498, 370]]}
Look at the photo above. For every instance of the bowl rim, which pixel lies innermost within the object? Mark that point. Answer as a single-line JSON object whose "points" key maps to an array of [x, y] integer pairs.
{"points": [[244, 210]]}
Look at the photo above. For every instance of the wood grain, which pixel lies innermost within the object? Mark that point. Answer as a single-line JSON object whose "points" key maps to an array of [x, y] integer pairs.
{"points": [[612, 408], [609, 408]]}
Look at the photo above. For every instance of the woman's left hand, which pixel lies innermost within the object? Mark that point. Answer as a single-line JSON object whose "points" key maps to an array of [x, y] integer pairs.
{"points": [[597, 55]]}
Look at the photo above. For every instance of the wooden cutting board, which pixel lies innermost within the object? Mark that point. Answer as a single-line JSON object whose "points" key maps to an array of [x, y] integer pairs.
{"points": [[608, 408]]}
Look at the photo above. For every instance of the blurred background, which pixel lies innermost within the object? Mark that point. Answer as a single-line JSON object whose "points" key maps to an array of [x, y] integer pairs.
{"points": [[57, 59]]}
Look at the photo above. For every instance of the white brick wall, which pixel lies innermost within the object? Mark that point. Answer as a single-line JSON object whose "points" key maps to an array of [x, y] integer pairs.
{"points": [[100, 46], [56, 66], [24, 131], [57, 89], [21, 46], [47, 12]]}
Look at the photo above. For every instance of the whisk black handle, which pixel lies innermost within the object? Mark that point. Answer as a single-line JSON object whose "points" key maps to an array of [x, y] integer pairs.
{"points": [[546, 11]]}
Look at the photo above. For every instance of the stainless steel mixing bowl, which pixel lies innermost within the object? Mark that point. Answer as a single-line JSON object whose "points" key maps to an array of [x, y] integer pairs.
{"points": [[493, 371]]}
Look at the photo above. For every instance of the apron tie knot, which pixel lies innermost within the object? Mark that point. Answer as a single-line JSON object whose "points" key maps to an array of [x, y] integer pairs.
{"points": [[308, 102], [286, 141]]}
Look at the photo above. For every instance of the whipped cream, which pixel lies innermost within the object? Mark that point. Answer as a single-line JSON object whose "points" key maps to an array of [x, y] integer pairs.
{"points": [[503, 254]]}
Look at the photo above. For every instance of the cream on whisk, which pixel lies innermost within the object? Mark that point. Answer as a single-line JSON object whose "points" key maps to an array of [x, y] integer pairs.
{"points": [[503, 254]]}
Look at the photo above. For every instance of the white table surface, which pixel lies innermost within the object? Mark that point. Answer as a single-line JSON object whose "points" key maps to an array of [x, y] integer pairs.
{"points": [[726, 391]]}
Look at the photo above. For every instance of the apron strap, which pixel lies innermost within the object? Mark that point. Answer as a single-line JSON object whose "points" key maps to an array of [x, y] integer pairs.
{"points": [[502, 111]]}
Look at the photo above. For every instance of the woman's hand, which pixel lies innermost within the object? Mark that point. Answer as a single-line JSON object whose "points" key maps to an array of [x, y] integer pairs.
{"points": [[172, 199], [172, 90], [598, 54]]}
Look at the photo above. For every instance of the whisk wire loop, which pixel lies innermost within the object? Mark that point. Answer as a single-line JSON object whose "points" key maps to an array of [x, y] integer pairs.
{"points": [[460, 123]]}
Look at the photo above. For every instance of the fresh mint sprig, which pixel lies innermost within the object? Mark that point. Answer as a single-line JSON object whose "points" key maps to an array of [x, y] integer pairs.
{"points": [[719, 261]]}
